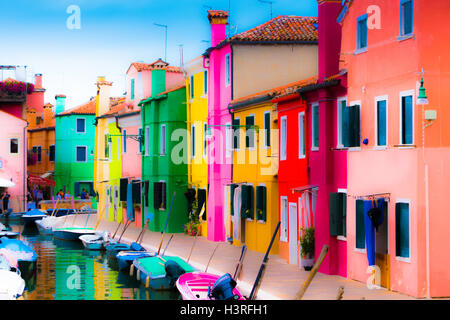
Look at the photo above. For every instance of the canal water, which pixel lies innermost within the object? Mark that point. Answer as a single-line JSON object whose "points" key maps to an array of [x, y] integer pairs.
{"points": [[67, 271]]}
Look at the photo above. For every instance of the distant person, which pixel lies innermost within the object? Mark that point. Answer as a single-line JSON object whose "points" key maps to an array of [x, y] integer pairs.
{"points": [[60, 194], [67, 196], [5, 200], [84, 194]]}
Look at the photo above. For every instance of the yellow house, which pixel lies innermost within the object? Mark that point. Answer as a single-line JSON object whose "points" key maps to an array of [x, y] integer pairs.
{"points": [[197, 113], [252, 196], [108, 166]]}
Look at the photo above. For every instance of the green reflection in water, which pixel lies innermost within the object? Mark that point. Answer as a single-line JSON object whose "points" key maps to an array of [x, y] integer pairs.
{"points": [[67, 271]]}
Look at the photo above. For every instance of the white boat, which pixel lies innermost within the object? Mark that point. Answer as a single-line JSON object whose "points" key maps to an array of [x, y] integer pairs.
{"points": [[11, 285], [95, 241], [72, 233], [47, 224]]}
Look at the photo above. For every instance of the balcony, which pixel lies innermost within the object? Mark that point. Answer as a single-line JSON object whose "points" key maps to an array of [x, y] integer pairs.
{"points": [[13, 97]]}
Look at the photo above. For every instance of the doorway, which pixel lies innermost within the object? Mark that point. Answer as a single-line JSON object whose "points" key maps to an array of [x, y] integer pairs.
{"points": [[382, 258], [293, 233]]}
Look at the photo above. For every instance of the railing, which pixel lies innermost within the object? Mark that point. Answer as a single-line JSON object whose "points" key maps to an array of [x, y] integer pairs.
{"points": [[12, 97]]}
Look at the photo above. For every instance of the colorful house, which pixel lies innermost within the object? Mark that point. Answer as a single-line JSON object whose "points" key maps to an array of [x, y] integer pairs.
{"points": [[197, 116], [399, 157], [74, 144], [259, 59], [164, 159], [312, 170], [41, 148], [13, 160]]}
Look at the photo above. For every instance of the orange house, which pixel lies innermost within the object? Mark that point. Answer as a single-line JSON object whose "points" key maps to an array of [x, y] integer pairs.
{"points": [[41, 146], [400, 153]]}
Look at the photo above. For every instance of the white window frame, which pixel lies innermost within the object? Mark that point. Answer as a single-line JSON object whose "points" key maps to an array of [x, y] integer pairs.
{"points": [[339, 142], [284, 217], [76, 125], [408, 201], [193, 138], [18, 146], [227, 70], [254, 132], [301, 136], [266, 146], [377, 99], [342, 238], [283, 144], [313, 147], [401, 95], [76, 153], [146, 141], [162, 140]]}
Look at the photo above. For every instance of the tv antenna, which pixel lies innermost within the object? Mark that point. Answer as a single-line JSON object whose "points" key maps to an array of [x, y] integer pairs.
{"points": [[271, 5], [165, 45]]}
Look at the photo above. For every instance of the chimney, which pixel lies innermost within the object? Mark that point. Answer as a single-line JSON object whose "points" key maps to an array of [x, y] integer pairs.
{"points": [[103, 95], [48, 114], [158, 81], [218, 21], [31, 118], [329, 38], [38, 80], [60, 104]]}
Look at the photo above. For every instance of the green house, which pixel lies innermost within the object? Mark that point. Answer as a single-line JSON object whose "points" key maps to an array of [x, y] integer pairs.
{"points": [[74, 146], [164, 154]]}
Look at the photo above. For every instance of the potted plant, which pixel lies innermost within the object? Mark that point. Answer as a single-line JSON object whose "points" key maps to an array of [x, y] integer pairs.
{"points": [[193, 227], [307, 248]]}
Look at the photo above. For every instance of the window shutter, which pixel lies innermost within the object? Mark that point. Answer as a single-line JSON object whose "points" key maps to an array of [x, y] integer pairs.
{"points": [[76, 189], [236, 133], [381, 122], [351, 126], [123, 189], [335, 214], [250, 197], [407, 120], [141, 141], [232, 188], [344, 213], [267, 127], [124, 141], [249, 132], [136, 191], [157, 195], [261, 203], [163, 195], [360, 231], [91, 189], [146, 186]]}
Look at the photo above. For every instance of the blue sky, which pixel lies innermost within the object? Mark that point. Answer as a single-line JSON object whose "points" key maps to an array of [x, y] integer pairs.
{"points": [[115, 33]]}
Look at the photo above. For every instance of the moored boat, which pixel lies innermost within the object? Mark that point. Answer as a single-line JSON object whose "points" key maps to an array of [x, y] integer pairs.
{"points": [[95, 241], [46, 225], [25, 255], [33, 215], [207, 286], [160, 273], [72, 233], [11, 285], [126, 258], [9, 234]]}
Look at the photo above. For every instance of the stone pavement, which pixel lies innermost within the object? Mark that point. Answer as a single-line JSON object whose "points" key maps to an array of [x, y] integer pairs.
{"points": [[280, 280]]}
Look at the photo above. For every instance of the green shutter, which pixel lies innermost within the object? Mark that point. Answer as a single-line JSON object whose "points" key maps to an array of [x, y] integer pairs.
{"points": [[344, 213], [381, 122], [267, 127], [132, 89], [232, 188], [351, 127], [236, 133], [251, 208], [244, 201], [336, 214], [407, 120], [402, 230], [316, 125], [261, 203], [76, 189], [360, 231], [141, 141]]}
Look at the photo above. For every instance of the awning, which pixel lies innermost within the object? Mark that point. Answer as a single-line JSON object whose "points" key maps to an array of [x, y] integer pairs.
{"points": [[40, 181], [47, 175], [5, 183], [305, 188]]}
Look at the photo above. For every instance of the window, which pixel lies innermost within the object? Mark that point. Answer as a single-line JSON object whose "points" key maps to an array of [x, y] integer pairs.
{"points": [[136, 191], [38, 120], [141, 140], [406, 17], [247, 211], [228, 135], [147, 141], [227, 70], [283, 138], [351, 133], [34, 150], [361, 29], [341, 104], [407, 118], [159, 195], [191, 91], [283, 225], [250, 132], [132, 89], [338, 214], [162, 145], [205, 129], [402, 229], [267, 128], [81, 125], [236, 134], [301, 135], [39, 154], [261, 203], [205, 82], [315, 127], [201, 202], [52, 153], [81, 154], [106, 146], [381, 121], [360, 231], [124, 142], [193, 140], [14, 146], [119, 143]]}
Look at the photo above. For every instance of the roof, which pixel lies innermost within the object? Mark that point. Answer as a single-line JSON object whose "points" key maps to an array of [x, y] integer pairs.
{"points": [[172, 89], [158, 65], [282, 28], [116, 109], [217, 14], [86, 108]]}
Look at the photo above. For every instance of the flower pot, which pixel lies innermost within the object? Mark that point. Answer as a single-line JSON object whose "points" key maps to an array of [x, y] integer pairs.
{"points": [[307, 263]]}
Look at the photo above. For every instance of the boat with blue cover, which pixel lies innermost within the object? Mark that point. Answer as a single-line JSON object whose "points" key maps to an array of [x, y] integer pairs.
{"points": [[33, 215], [25, 255]]}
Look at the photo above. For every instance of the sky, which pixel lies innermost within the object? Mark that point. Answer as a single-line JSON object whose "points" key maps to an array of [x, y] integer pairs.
{"points": [[114, 33]]}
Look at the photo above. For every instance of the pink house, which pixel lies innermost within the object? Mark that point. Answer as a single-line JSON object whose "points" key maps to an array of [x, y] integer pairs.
{"points": [[13, 160]]}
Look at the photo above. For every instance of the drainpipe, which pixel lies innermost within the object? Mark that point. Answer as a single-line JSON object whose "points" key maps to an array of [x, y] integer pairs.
{"points": [[25, 172]]}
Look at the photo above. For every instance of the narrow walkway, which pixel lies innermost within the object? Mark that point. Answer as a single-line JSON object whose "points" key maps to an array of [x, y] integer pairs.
{"points": [[280, 280]]}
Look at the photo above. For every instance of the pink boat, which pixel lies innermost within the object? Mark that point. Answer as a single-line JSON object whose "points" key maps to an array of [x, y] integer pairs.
{"points": [[207, 286]]}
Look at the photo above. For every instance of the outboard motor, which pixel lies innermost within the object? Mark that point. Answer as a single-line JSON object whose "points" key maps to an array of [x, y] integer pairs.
{"points": [[173, 271], [223, 288]]}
